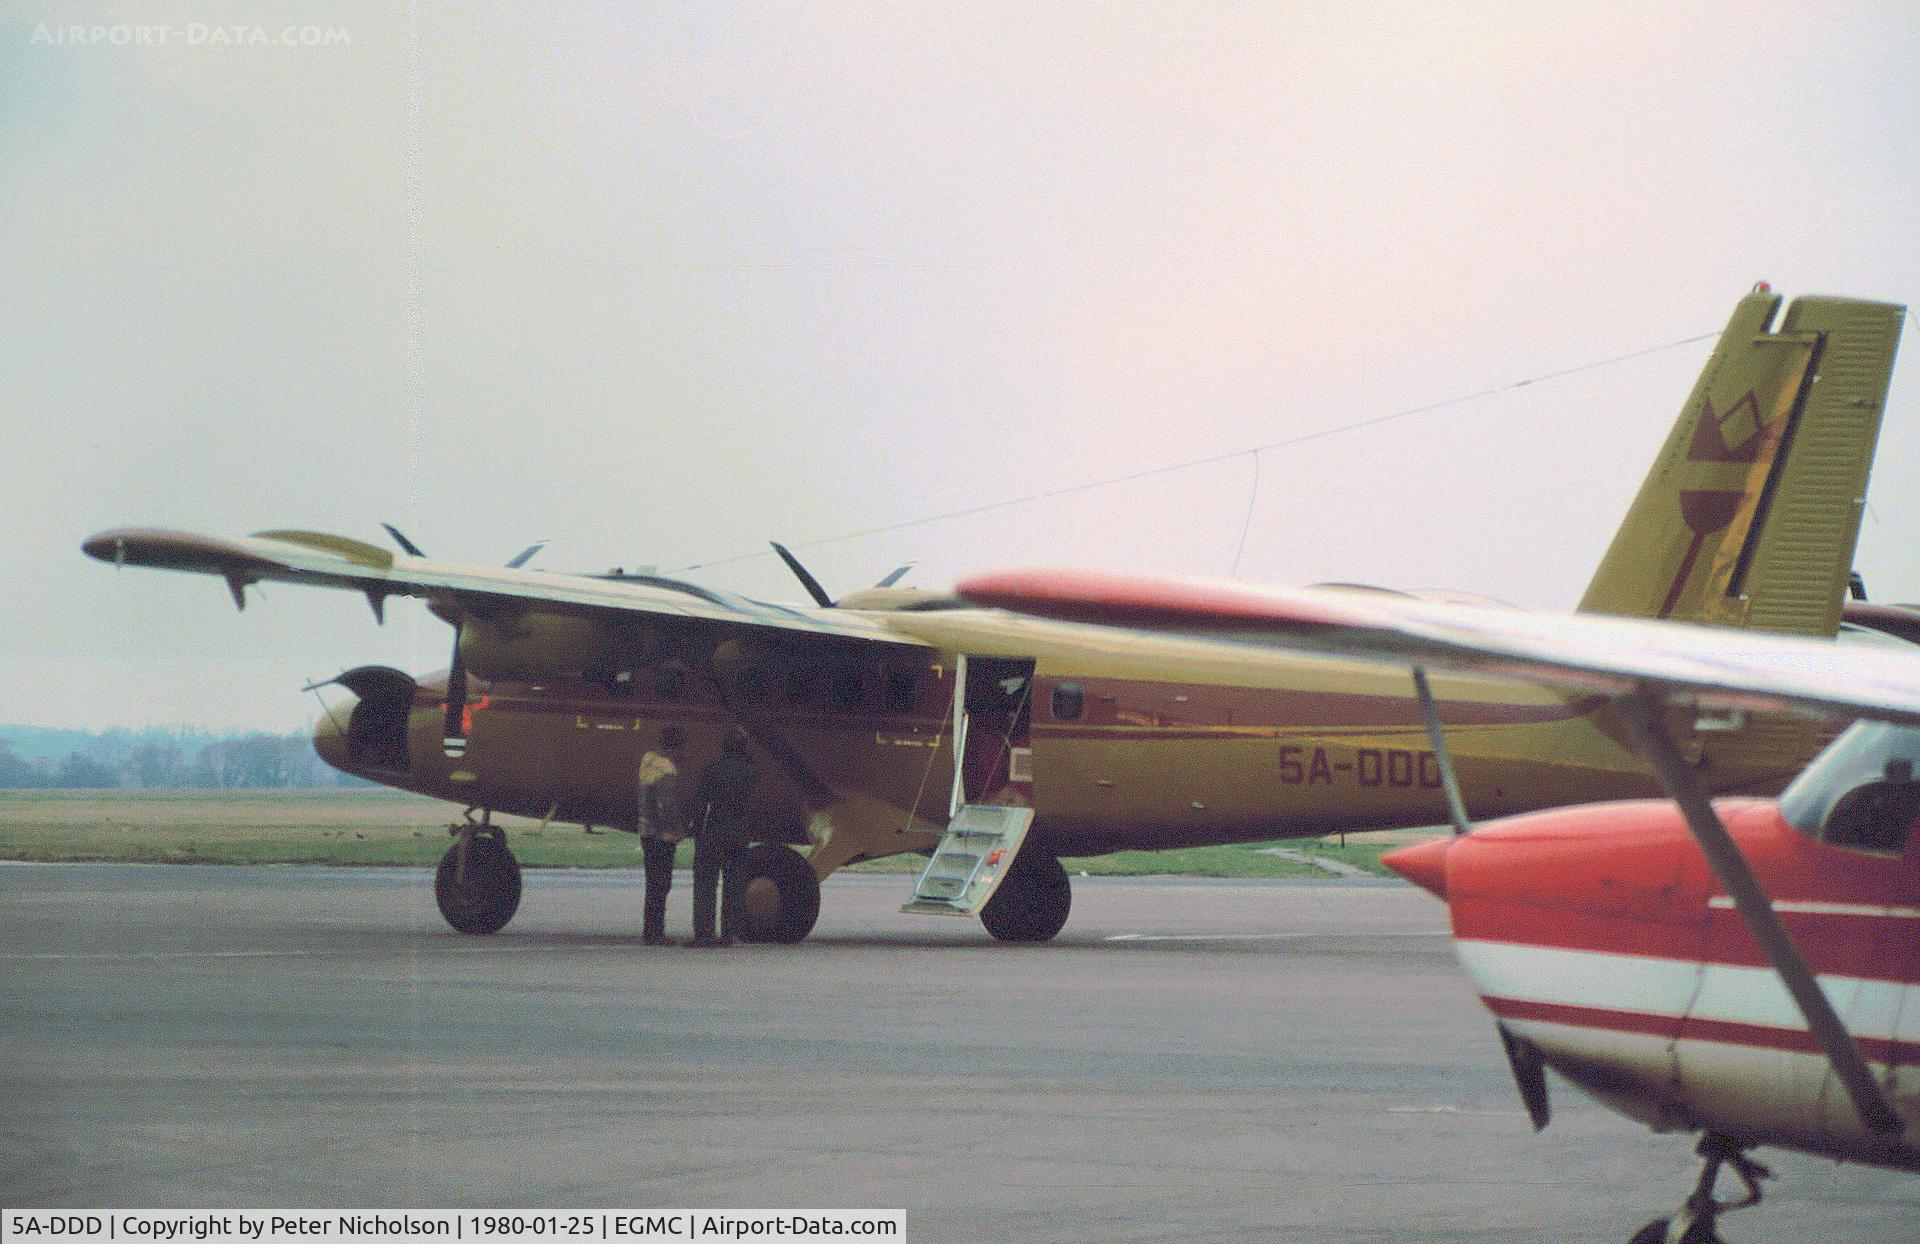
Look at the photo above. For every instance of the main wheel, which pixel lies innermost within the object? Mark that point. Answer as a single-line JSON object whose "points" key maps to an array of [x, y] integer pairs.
{"points": [[1655, 1232], [487, 896], [778, 898], [1032, 902]]}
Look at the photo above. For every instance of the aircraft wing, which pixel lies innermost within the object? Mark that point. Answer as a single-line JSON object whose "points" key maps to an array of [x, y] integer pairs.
{"points": [[323, 560], [1638, 663], [1716, 667]]}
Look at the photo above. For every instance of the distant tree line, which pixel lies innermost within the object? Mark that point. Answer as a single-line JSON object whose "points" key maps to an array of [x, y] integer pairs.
{"points": [[160, 758]]}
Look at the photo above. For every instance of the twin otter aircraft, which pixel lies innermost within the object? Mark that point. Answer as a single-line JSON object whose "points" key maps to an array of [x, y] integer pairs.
{"points": [[895, 720]]}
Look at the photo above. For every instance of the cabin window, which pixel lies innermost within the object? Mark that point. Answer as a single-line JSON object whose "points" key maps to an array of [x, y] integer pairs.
{"points": [[803, 684], [1069, 701], [900, 690], [751, 685], [670, 681], [847, 689]]}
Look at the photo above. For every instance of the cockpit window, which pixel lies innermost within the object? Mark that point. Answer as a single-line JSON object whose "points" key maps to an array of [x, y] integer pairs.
{"points": [[1861, 792], [1875, 817]]}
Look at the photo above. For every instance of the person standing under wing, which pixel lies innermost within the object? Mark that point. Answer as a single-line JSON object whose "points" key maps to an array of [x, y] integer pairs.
{"points": [[725, 786], [662, 823]]}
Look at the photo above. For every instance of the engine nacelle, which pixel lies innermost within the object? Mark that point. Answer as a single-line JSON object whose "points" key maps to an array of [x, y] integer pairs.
{"points": [[369, 733]]}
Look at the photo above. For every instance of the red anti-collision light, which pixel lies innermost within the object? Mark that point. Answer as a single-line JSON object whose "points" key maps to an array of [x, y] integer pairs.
{"points": [[1425, 865]]}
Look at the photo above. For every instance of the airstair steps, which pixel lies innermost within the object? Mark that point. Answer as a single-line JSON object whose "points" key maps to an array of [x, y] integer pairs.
{"points": [[967, 866]]}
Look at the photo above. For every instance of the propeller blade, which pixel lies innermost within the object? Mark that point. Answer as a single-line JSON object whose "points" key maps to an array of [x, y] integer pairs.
{"points": [[406, 546], [807, 581], [899, 573], [453, 729], [526, 555]]}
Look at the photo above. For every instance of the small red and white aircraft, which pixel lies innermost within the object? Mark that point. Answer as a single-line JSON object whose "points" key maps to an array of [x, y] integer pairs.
{"points": [[1744, 968]]}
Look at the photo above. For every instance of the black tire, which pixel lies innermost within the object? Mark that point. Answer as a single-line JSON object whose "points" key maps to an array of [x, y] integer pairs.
{"points": [[1032, 902], [490, 894], [778, 896], [1655, 1232]]}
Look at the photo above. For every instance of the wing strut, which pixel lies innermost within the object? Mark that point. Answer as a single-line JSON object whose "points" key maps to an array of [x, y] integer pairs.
{"points": [[1522, 1058], [1430, 715], [1642, 715]]}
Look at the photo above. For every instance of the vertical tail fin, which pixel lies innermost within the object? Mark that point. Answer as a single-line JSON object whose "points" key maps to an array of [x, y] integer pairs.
{"points": [[1750, 513]]}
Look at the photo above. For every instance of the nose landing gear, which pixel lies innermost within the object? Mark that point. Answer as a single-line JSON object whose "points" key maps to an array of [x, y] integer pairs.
{"points": [[478, 882], [1698, 1218]]}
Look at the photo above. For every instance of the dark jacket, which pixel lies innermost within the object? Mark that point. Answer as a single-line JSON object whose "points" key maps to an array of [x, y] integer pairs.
{"points": [[725, 787]]}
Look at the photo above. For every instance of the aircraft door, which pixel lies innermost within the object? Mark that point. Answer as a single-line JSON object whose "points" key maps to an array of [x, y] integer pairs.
{"points": [[1903, 926], [1902, 1078], [993, 725], [992, 801], [1877, 941]]}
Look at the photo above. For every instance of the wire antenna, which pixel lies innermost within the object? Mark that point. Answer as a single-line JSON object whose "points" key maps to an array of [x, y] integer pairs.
{"points": [[1372, 421]]}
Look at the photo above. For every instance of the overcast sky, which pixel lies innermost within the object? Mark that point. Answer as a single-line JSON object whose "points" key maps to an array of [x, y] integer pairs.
{"points": [[662, 281]]}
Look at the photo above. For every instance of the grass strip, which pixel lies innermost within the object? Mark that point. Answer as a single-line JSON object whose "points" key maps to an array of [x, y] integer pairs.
{"points": [[361, 827]]}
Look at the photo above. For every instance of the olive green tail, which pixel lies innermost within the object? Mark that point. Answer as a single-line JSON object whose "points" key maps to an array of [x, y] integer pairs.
{"points": [[1750, 513]]}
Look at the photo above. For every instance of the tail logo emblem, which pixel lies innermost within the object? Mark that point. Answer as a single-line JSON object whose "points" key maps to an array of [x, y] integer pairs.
{"points": [[1731, 437]]}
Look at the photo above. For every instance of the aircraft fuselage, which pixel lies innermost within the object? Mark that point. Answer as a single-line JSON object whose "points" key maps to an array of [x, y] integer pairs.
{"points": [[1115, 748], [1599, 937]]}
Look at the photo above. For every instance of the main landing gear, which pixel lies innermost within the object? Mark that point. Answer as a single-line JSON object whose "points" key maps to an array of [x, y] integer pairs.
{"points": [[1697, 1219], [478, 882], [1032, 902], [779, 897]]}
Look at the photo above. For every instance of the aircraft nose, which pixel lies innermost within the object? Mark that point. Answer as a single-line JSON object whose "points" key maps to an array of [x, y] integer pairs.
{"points": [[329, 733], [1425, 865]]}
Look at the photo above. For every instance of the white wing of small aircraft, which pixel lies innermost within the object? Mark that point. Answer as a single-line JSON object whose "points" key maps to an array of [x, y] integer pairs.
{"points": [[1714, 667], [1644, 667]]}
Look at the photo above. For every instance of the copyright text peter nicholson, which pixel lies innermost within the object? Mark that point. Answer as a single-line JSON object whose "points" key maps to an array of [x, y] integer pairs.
{"points": [[576, 1226]]}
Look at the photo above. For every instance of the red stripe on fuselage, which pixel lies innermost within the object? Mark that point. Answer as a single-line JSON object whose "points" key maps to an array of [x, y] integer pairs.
{"points": [[1667, 1027], [1109, 700], [1128, 706], [1834, 945]]}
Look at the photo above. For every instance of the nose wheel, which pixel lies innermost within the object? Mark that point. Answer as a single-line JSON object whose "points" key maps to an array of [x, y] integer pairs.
{"points": [[478, 882], [1699, 1218]]}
